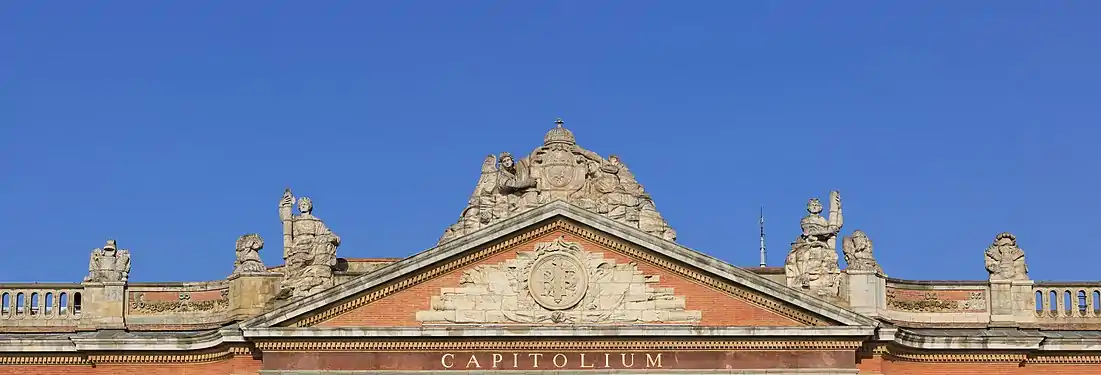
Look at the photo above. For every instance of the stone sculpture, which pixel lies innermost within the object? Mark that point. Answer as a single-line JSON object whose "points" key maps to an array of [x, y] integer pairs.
{"points": [[558, 170], [109, 264], [309, 249], [858, 252], [248, 255], [811, 265], [557, 282], [1004, 260]]}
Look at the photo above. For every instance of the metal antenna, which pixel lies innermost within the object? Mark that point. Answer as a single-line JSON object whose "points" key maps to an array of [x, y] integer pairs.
{"points": [[762, 222]]}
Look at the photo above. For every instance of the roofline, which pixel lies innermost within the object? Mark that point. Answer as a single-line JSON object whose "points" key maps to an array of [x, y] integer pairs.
{"points": [[543, 213]]}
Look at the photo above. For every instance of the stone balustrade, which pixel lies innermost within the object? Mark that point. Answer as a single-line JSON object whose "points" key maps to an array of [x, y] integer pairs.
{"points": [[1068, 302], [59, 302]]}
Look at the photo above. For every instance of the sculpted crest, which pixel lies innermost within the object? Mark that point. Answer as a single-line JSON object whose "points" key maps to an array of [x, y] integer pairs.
{"points": [[558, 170]]}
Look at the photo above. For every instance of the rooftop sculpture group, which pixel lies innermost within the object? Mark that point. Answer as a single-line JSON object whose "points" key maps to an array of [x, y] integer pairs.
{"points": [[558, 170]]}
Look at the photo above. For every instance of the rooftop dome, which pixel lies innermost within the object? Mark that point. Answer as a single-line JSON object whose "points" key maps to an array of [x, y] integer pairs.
{"points": [[558, 134]]}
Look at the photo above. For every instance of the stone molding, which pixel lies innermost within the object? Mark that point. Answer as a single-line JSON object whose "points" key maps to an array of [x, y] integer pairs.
{"points": [[570, 372], [565, 331], [500, 345], [890, 343]]}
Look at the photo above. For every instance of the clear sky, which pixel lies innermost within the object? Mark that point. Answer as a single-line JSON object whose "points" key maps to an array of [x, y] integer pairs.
{"points": [[173, 127]]}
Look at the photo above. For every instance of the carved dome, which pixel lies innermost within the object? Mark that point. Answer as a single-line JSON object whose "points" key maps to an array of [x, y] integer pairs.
{"points": [[558, 134]]}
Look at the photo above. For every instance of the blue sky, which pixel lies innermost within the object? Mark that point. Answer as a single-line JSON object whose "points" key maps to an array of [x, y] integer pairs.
{"points": [[174, 127]]}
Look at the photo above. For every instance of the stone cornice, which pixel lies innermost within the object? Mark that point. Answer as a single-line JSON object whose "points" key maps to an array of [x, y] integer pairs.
{"points": [[204, 340], [555, 345], [917, 341], [533, 332], [778, 296], [37, 345]]}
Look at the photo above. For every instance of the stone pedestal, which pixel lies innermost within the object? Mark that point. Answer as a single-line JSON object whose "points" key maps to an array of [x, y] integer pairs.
{"points": [[249, 293], [103, 306], [1011, 303], [867, 292]]}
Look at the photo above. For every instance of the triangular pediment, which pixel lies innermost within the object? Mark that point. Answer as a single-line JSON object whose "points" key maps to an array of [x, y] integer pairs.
{"points": [[626, 276]]}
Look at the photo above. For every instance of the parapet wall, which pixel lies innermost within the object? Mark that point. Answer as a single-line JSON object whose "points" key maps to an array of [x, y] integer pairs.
{"points": [[170, 306], [939, 303]]}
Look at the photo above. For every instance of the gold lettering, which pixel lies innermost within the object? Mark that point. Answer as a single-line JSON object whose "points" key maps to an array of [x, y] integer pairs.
{"points": [[555, 360], [623, 358], [655, 362], [497, 359], [583, 362], [473, 360], [607, 357], [535, 359], [515, 360], [444, 360]]}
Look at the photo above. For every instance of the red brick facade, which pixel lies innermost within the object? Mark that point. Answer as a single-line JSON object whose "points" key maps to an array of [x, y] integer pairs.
{"points": [[720, 309]]}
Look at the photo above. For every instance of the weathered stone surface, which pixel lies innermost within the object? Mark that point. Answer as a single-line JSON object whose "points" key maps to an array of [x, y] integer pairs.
{"points": [[558, 170], [936, 301], [109, 264], [1004, 260], [558, 282], [812, 265], [248, 255], [858, 252], [181, 302], [309, 249]]}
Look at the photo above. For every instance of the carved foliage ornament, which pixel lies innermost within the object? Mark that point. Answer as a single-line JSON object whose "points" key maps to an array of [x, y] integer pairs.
{"points": [[138, 304], [934, 302]]}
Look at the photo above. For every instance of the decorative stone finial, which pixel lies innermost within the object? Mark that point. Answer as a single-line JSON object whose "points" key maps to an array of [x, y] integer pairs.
{"points": [[1004, 260], [858, 252], [248, 255], [109, 264], [559, 135]]}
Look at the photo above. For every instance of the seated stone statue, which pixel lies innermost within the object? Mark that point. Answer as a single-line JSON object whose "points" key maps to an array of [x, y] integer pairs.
{"points": [[811, 265], [311, 251]]}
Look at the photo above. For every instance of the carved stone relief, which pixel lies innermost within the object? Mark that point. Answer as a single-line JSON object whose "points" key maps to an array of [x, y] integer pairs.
{"points": [[139, 304], [309, 249], [558, 170], [557, 282], [109, 264], [811, 265], [936, 301], [1004, 260]]}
